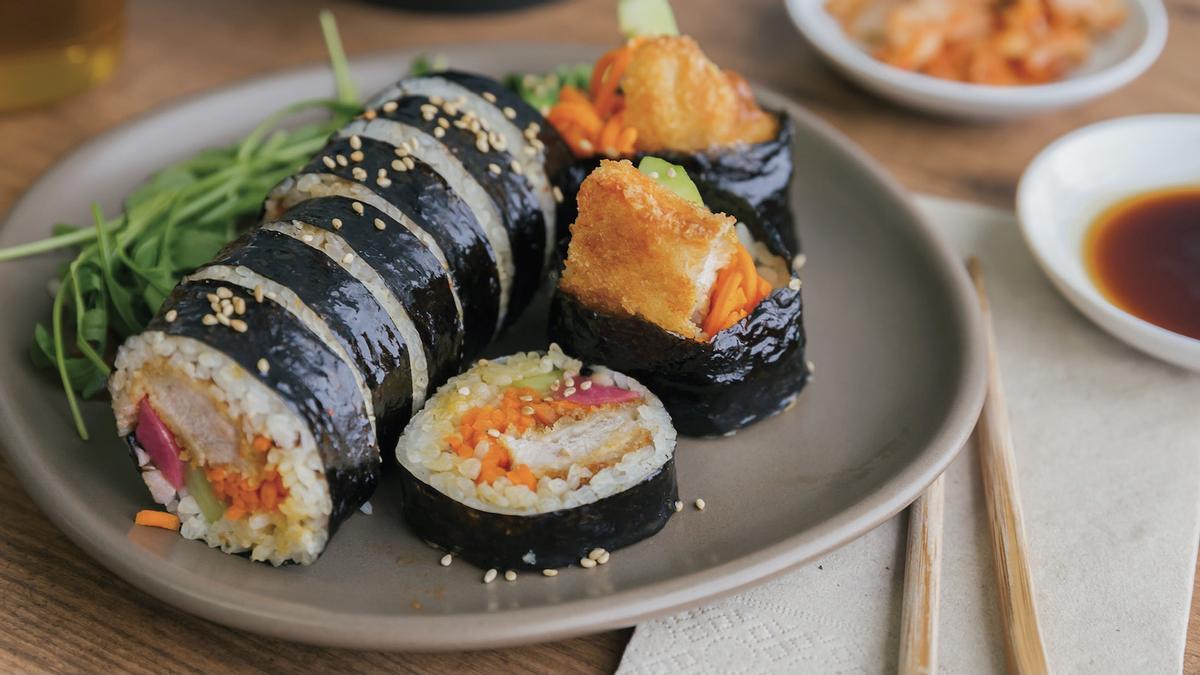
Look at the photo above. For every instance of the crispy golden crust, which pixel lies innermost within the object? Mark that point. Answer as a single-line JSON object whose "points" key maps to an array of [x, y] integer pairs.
{"points": [[639, 249], [679, 100]]}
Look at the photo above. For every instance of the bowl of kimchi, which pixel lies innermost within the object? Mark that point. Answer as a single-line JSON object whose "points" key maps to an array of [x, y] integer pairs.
{"points": [[982, 59]]}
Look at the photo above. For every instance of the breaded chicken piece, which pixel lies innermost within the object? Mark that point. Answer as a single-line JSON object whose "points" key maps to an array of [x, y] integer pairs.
{"points": [[639, 249], [677, 99]]}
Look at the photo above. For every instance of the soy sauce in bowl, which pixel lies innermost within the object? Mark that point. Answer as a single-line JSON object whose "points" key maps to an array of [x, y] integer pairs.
{"points": [[1143, 254]]}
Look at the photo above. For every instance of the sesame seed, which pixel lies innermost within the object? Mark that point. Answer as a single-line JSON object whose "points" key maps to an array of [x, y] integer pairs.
{"points": [[439, 132], [398, 165], [358, 207], [356, 156], [569, 380], [587, 563], [227, 308], [209, 320], [530, 151], [359, 173], [489, 576], [586, 145], [328, 161], [263, 366], [497, 141], [603, 559], [494, 168], [379, 224], [356, 142], [489, 97], [550, 573], [369, 114], [308, 238], [569, 392], [654, 175], [516, 167], [212, 298], [239, 305], [443, 123], [464, 391], [239, 325], [595, 553], [224, 293], [794, 284], [383, 181], [436, 100], [554, 386], [547, 399], [348, 258], [341, 160], [401, 150], [222, 319], [446, 560], [526, 398], [171, 315], [481, 143], [337, 223], [699, 504], [585, 385], [510, 575], [678, 506], [558, 195], [527, 410], [258, 290], [535, 127], [390, 106], [812, 367], [410, 162], [798, 261], [510, 113], [494, 433], [671, 172]]}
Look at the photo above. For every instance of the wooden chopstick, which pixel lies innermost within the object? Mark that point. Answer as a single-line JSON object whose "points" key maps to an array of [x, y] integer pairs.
{"points": [[1018, 611], [922, 584]]}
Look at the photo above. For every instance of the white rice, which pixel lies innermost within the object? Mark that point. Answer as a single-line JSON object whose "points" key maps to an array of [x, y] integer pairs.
{"points": [[341, 253], [423, 451], [529, 154], [298, 530], [770, 266], [283, 296], [430, 151], [302, 187]]}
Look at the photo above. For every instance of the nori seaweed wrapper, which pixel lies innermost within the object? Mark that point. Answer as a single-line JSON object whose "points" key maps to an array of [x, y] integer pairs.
{"points": [[510, 191], [556, 157], [313, 381], [354, 316], [759, 173], [424, 197], [555, 539], [407, 268], [747, 372]]}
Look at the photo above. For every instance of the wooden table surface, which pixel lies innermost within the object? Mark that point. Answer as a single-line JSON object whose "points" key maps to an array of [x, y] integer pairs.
{"points": [[60, 611]]}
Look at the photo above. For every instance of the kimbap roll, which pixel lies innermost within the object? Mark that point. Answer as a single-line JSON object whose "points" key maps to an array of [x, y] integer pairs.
{"points": [[659, 94], [533, 460], [699, 307], [257, 400]]}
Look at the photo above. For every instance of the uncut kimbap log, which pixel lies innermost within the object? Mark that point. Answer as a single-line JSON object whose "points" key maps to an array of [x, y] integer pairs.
{"points": [[702, 309], [257, 400], [661, 95], [534, 460]]}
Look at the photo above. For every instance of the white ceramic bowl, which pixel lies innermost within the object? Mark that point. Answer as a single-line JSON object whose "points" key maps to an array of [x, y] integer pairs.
{"points": [[1078, 176], [1116, 60]]}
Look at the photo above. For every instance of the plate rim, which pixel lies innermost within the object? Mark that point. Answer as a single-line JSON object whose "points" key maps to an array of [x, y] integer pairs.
{"points": [[304, 623]]}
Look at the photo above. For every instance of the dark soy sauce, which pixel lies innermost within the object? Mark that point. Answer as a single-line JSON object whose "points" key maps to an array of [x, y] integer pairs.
{"points": [[1143, 253]]}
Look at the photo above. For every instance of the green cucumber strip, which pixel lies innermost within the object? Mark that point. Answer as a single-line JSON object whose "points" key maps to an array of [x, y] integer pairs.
{"points": [[200, 490], [671, 176], [540, 383]]}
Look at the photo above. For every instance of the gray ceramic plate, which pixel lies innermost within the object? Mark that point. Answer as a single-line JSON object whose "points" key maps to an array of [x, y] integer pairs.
{"points": [[899, 382]]}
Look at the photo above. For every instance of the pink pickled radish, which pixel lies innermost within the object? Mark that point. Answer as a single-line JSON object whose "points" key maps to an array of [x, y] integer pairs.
{"points": [[601, 394], [158, 442]]}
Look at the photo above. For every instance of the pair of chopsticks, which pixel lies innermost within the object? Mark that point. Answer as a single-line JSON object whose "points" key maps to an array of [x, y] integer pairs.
{"points": [[922, 571]]}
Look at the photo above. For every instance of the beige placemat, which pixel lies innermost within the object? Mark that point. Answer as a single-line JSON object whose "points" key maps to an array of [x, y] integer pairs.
{"points": [[1108, 454]]}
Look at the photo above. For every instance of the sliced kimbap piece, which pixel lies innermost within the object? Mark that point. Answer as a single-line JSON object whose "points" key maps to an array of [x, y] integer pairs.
{"points": [[502, 113], [245, 424], [333, 305], [533, 460], [686, 300], [661, 95]]}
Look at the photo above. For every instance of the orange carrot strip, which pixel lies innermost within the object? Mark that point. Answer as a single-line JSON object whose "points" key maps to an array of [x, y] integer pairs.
{"points": [[607, 143], [722, 300], [570, 94], [261, 443], [167, 521], [521, 475], [580, 113], [626, 141]]}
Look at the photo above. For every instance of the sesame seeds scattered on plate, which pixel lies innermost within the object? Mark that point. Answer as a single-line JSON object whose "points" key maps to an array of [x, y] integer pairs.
{"points": [[587, 563], [700, 504], [510, 575], [489, 576], [550, 572], [678, 506], [446, 560]]}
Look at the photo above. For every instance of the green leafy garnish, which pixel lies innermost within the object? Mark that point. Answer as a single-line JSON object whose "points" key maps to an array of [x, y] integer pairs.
{"points": [[126, 265], [541, 90], [426, 64]]}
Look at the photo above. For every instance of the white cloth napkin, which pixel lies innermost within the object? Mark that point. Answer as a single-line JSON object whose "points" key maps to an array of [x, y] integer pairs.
{"points": [[1108, 456]]}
